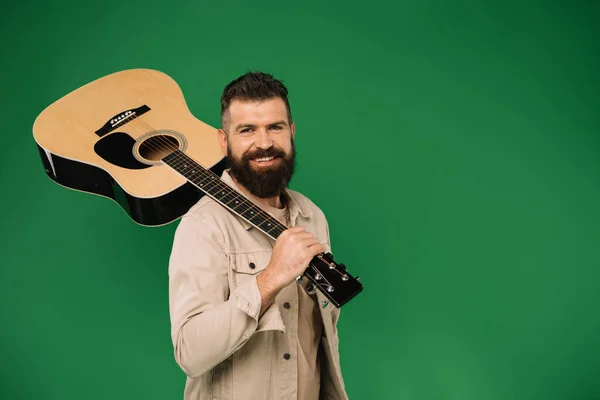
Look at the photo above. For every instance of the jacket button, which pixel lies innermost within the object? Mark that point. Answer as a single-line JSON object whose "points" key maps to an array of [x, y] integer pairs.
{"points": [[286, 305], [286, 356], [252, 265]]}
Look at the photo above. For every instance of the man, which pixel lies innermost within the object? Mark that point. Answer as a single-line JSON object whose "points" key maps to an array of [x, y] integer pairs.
{"points": [[242, 326]]}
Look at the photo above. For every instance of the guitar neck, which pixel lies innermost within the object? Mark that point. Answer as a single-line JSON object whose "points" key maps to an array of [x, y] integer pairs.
{"points": [[213, 186]]}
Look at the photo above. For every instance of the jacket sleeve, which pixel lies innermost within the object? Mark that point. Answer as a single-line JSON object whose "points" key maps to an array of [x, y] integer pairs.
{"points": [[208, 323]]}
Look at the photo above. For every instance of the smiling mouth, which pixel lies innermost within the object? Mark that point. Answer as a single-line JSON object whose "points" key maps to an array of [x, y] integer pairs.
{"points": [[264, 160]]}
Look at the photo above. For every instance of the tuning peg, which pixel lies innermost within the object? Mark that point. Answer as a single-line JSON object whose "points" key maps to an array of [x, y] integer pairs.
{"points": [[328, 257], [342, 266], [357, 278]]}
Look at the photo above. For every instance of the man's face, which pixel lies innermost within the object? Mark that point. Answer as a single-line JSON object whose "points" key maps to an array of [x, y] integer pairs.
{"points": [[260, 145]]}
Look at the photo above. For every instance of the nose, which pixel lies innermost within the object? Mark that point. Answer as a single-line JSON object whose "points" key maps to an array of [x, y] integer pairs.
{"points": [[263, 139]]}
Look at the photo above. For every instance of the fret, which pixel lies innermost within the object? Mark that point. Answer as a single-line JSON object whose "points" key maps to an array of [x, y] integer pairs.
{"points": [[276, 232], [249, 213], [235, 203], [200, 180], [232, 199], [209, 183], [222, 192], [258, 219], [169, 159], [188, 169], [180, 162], [241, 205], [267, 225], [193, 175]]}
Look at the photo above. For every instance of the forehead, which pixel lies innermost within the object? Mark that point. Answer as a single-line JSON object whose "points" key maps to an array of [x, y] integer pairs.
{"points": [[257, 112]]}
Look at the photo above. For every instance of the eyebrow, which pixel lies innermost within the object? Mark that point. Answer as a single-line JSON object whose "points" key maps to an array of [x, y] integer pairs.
{"points": [[240, 126]]}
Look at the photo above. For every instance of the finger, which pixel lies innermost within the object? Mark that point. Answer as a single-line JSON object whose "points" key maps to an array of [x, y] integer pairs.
{"points": [[292, 231], [311, 241], [300, 237], [317, 248], [304, 235]]}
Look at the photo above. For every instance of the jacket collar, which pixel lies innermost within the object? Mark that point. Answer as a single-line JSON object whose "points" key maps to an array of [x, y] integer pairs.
{"points": [[290, 200]]}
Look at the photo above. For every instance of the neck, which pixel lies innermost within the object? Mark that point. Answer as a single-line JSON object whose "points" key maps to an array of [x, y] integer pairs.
{"points": [[274, 202]]}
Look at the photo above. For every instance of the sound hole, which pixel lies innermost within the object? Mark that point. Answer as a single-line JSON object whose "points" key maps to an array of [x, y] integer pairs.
{"points": [[157, 147]]}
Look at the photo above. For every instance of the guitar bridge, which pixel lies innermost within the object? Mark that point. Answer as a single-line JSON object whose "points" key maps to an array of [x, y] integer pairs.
{"points": [[121, 119]]}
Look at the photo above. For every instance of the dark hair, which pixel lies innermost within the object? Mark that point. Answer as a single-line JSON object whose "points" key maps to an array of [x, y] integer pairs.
{"points": [[254, 86]]}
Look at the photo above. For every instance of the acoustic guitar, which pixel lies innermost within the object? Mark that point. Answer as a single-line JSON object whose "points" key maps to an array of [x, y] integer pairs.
{"points": [[130, 137]]}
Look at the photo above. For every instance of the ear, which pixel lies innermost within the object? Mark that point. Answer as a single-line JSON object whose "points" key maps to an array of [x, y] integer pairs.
{"points": [[222, 136], [293, 129]]}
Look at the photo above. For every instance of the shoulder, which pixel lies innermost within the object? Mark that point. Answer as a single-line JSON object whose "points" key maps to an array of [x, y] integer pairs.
{"points": [[205, 218], [306, 204], [312, 217], [206, 209]]}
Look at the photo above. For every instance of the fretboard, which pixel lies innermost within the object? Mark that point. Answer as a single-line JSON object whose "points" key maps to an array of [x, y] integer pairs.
{"points": [[212, 185]]}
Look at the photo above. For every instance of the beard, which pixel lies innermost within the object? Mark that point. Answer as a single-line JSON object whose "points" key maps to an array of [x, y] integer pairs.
{"points": [[267, 181]]}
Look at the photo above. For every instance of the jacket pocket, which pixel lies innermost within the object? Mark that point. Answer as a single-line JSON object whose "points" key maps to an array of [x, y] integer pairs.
{"points": [[247, 264]]}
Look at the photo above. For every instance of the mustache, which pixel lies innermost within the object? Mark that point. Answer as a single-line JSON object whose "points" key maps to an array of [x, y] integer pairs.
{"points": [[260, 153]]}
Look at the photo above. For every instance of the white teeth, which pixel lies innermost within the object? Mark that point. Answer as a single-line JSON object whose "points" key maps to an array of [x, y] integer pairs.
{"points": [[264, 159]]}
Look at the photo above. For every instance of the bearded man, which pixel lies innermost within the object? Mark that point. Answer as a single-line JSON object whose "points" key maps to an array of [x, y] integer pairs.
{"points": [[242, 326]]}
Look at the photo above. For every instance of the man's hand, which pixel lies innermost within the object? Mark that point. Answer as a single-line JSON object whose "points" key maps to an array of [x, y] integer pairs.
{"points": [[292, 252]]}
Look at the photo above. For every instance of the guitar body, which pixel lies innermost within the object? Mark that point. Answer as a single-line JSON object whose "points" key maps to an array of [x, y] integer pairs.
{"points": [[108, 137]]}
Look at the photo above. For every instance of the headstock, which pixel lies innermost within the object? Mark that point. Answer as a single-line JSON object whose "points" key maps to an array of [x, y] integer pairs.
{"points": [[332, 279]]}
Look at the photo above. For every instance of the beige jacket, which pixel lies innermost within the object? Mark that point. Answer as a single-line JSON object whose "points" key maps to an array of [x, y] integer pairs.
{"points": [[224, 348]]}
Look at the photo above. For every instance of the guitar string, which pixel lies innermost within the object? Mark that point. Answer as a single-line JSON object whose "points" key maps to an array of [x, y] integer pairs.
{"points": [[169, 147]]}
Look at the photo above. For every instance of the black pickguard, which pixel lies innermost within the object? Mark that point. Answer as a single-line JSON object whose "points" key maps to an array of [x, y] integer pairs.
{"points": [[116, 148]]}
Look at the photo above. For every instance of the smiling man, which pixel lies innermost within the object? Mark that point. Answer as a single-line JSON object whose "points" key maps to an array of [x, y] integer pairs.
{"points": [[242, 326]]}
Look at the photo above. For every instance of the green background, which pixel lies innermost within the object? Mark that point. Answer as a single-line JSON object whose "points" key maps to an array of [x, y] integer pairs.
{"points": [[454, 147]]}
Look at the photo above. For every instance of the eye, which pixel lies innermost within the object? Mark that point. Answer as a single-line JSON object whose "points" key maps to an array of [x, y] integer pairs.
{"points": [[276, 127], [245, 130]]}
